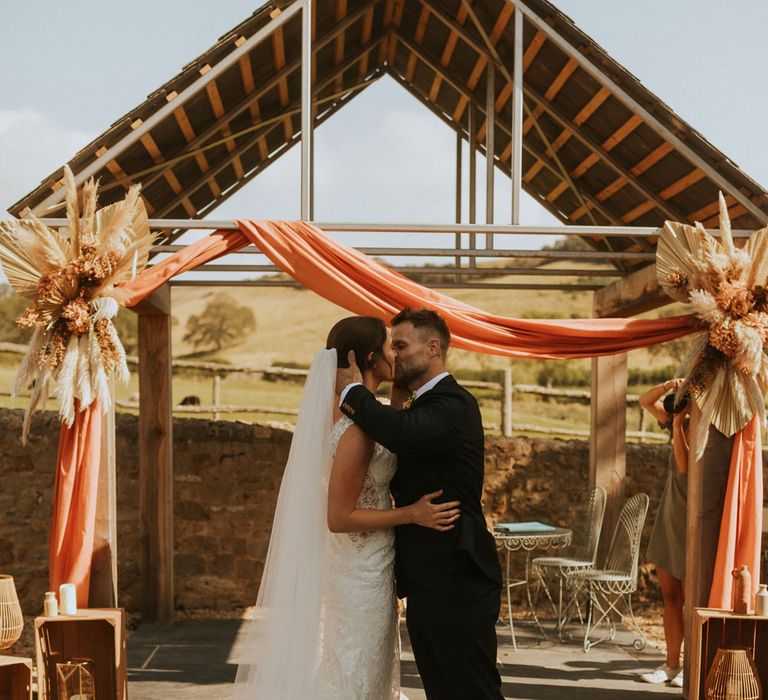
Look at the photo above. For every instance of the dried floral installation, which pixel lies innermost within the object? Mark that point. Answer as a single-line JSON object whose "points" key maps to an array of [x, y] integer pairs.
{"points": [[70, 280], [727, 287]]}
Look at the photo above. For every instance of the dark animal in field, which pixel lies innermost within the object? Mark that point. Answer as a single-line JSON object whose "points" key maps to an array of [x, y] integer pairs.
{"points": [[190, 401]]}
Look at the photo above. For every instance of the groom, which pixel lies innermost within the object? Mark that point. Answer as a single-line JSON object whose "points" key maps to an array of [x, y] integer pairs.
{"points": [[452, 579]]}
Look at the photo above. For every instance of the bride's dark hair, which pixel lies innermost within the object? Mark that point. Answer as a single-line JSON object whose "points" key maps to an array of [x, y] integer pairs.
{"points": [[363, 334]]}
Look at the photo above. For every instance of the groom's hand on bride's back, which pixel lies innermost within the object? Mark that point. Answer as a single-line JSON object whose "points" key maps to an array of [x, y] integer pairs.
{"points": [[348, 373]]}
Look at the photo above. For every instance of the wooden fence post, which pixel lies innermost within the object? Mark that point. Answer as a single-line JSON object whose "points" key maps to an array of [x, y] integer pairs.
{"points": [[216, 395], [506, 403]]}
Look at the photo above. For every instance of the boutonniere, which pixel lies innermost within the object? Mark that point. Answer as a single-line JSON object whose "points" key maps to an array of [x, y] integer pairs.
{"points": [[409, 401]]}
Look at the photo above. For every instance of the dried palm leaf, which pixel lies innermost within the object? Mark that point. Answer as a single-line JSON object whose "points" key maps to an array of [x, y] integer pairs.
{"points": [[37, 398], [65, 382], [677, 251], [88, 223], [757, 249], [726, 237], [73, 211]]}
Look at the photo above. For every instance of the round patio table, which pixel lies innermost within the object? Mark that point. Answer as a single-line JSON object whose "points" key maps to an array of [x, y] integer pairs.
{"points": [[538, 537]]}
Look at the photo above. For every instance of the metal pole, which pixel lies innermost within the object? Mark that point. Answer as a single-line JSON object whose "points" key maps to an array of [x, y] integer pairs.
{"points": [[459, 146], [306, 108], [170, 107], [516, 154], [490, 132], [507, 405], [472, 126]]}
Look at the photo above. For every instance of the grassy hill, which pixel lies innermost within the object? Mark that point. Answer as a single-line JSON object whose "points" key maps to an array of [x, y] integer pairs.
{"points": [[293, 323]]}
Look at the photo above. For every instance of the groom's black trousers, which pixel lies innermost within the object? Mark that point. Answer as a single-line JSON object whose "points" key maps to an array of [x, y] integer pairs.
{"points": [[452, 627]]}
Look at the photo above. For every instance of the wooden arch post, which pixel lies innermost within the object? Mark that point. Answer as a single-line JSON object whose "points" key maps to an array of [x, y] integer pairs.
{"points": [[156, 456], [636, 293]]}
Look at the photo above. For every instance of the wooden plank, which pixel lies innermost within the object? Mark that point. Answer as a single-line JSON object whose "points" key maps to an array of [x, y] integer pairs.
{"points": [[278, 53], [683, 183], [246, 74], [710, 209], [180, 114], [156, 461], [170, 177], [652, 158], [103, 584], [338, 47], [533, 49], [450, 47], [637, 212], [634, 294], [365, 37], [592, 105], [561, 79], [607, 440]]}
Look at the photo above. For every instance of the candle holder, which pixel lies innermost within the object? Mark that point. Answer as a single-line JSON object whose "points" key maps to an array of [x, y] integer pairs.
{"points": [[733, 676], [11, 619], [76, 679]]}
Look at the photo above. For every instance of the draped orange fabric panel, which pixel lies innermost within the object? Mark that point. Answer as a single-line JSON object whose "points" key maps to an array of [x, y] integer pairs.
{"points": [[73, 522], [360, 284], [741, 527], [363, 286]]}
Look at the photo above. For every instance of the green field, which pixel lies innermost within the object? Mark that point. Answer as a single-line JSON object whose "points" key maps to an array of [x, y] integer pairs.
{"points": [[293, 323]]}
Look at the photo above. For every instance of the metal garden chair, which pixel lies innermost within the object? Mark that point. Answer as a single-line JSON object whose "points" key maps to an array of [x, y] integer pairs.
{"points": [[581, 555], [617, 581]]}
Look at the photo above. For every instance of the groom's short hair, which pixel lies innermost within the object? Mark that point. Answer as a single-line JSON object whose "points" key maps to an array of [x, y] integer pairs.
{"points": [[426, 321]]}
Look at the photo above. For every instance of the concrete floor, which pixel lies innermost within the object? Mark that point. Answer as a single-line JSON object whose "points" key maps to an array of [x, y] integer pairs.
{"points": [[191, 660]]}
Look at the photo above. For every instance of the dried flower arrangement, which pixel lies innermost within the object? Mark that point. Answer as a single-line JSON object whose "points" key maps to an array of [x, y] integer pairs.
{"points": [[727, 287], [70, 280]]}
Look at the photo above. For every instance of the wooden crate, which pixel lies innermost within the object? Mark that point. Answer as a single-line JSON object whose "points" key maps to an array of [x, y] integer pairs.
{"points": [[714, 629], [15, 678], [95, 633]]}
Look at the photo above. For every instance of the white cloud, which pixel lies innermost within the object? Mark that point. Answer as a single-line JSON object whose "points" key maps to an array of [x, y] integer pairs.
{"points": [[32, 145]]}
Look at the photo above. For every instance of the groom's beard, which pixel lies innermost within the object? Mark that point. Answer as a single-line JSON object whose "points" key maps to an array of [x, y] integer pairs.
{"points": [[408, 375]]}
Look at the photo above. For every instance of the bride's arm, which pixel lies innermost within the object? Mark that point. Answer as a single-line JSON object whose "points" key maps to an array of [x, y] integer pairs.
{"points": [[348, 471]]}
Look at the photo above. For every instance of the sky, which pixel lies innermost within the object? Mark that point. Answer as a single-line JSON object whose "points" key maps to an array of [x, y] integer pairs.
{"points": [[70, 69]]}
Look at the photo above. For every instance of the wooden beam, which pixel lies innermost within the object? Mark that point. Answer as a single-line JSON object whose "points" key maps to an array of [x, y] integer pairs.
{"points": [[636, 293], [156, 461], [607, 438], [278, 53]]}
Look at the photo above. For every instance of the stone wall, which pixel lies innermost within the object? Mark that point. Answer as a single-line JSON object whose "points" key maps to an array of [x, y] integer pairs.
{"points": [[226, 479]]}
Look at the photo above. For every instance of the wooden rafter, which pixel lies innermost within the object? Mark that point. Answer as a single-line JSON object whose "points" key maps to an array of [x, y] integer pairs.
{"points": [[278, 56], [246, 75]]}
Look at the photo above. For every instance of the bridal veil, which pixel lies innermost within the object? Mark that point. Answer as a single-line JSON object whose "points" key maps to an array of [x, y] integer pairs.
{"points": [[280, 655]]}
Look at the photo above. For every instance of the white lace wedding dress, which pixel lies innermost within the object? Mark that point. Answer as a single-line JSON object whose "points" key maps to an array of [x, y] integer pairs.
{"points": [[361, 652]]}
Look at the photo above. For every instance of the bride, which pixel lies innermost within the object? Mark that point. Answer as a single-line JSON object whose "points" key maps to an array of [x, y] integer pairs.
{"points": [[325, 624]]}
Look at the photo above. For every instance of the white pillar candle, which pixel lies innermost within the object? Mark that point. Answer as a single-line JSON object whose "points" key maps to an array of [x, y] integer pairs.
{"points": [[68, 599]]}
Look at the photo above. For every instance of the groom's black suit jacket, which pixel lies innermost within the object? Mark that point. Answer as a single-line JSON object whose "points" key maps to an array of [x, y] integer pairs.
{"points": [[439, 445]]}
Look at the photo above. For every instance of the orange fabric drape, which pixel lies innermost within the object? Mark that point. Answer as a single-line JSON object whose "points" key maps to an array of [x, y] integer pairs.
{"points": [[363, 286], [741, 527], [358, 283], [73, 521]]}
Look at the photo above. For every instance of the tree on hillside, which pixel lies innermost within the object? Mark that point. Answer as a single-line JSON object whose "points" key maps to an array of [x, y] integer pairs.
{"points": [[11, 307], [222, 323]]}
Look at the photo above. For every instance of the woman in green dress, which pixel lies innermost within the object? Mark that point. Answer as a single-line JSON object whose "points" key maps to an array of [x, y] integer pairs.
{"points": [[666, 548]]}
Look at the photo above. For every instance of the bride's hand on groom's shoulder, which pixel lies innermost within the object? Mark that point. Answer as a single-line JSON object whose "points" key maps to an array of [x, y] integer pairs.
{"points": [[349, 374], [438, 516]]}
